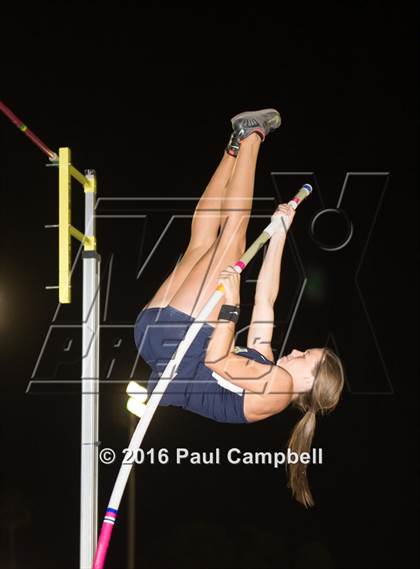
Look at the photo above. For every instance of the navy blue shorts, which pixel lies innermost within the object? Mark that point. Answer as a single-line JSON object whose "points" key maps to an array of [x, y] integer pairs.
{"points": [[158, 332]]}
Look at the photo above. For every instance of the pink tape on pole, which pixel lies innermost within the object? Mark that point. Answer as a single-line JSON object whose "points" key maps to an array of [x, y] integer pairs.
{"points": [[103, 543], [240, 264]]}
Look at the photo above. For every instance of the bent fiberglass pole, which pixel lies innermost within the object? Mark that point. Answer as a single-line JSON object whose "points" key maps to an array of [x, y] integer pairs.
{"points": [[169, 374], [22, 127]]}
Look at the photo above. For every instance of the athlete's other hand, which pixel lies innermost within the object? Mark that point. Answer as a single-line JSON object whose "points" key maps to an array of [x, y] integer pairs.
{"points": [[287, 212], [231, 281]]}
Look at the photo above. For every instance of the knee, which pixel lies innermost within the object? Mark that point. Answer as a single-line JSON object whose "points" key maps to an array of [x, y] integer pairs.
{"points": [[237, 252], [242, 246], [200, 248], [235, 231], [233, 250]]}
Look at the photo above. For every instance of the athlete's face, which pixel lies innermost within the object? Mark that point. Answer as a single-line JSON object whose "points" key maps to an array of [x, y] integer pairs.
{"points": [[300, 365]]}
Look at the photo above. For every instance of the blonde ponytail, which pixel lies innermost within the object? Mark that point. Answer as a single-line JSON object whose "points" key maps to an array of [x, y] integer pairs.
{"points": [[301, 441], [322, 398]]}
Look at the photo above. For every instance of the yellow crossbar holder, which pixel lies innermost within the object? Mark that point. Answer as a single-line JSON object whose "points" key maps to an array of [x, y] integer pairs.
{"points": [[65, 229]]}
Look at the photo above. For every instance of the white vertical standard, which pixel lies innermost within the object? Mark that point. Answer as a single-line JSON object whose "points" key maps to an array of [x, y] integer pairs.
{"points": [[90, 393]]}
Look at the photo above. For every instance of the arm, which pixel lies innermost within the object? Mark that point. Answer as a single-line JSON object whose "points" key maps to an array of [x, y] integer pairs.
{"points": [[248, 374], [252, 376], [260, 332], [222, 339], [268, 283]]}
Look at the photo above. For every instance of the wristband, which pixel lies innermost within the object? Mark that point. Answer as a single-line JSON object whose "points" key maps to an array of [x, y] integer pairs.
{"points": [[229, 312]]}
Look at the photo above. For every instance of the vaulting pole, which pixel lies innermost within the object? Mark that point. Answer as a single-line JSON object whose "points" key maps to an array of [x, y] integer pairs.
{"points": [[169, 374]]}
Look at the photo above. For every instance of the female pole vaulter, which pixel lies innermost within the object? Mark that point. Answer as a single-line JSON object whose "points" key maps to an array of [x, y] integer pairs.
{"points": [[215, 379]]}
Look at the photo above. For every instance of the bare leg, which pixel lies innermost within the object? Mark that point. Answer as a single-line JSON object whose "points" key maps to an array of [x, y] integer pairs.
{"points": [[204, 228], [230, 245]]}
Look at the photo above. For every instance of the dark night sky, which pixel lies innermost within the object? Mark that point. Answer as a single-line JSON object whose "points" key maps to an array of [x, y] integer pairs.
{"points": [[145, 96]]}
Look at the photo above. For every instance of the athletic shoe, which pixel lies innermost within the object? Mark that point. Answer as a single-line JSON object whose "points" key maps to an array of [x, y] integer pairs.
{"points": [[262, 122]]}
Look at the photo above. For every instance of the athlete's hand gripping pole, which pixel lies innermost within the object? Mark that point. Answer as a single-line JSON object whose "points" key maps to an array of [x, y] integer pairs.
{"points": [[169, 374]]}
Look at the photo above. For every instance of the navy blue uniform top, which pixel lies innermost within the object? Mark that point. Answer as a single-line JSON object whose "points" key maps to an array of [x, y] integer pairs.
{"points": [[157, 333]]}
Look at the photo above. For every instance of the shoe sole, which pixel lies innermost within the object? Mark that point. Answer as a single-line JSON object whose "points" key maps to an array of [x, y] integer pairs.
{"points": [[240, 115]]}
